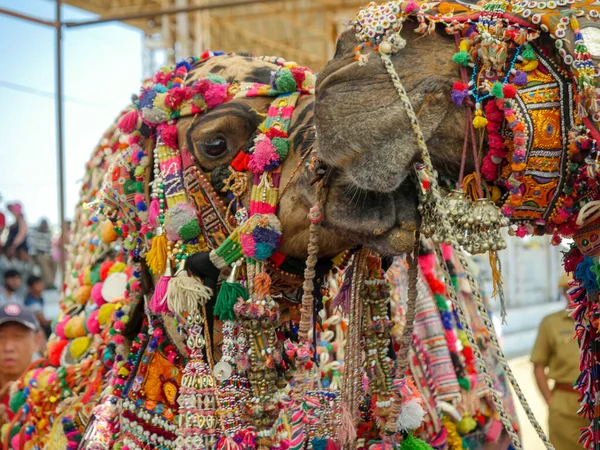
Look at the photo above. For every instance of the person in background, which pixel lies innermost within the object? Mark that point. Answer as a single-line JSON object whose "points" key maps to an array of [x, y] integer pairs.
{"points": [[40, 247], [9, 291], [2, 226], [557, 351], [34, 300], [17, 232], [19, 342]]}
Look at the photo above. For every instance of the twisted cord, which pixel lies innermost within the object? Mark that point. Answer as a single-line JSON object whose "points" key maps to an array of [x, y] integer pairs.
{"points": [[506, 422], [498, 350], [306, 310]]}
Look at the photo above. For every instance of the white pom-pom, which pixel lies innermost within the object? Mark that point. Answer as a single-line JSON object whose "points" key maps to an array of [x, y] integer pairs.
{"points": [[411, 416]]}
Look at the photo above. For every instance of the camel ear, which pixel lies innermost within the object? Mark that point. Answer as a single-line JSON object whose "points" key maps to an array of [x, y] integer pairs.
{"points": [[345, 45]]}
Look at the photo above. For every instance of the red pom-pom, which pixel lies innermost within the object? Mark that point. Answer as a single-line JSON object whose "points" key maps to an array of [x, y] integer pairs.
{"points": [[509, 91], [458, 86], [240, 162], [55, 351], [128, 122]]}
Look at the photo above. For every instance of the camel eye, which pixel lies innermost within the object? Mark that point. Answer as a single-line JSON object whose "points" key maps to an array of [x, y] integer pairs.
{"points": [[215, 147]]}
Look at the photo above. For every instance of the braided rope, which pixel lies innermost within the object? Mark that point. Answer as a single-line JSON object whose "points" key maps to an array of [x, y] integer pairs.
{"points": [[506, 422], [498, 350], [307, 305]]}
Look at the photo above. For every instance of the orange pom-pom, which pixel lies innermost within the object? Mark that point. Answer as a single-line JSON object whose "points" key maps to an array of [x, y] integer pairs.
{"points": [[82, 294], [108, 232]]}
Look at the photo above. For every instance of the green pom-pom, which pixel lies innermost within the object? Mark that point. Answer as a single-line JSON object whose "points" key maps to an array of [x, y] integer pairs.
{"points": [[497, 90], [95, 274], [464, 383], [440, 302], [412, 443], [529, 53], [190, 230], [462, 58], [16, 401], [228, 296], [282, 146], [216, 79], [285, 81]]}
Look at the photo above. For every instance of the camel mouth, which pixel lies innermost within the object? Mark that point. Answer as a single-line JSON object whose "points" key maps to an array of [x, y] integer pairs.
{"points": [[382, 221]]}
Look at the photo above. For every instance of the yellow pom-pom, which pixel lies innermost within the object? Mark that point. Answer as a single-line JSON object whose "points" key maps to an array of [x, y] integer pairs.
{"points": [[466, 425], [123, 372], [117, 267], [479, 121], [82, 294], [69, 330], [530, 66], [496, 194], [77, 327], [462, 336], [105, 312], [108, 233], [463, 46], [87, 276], [79, 346]]}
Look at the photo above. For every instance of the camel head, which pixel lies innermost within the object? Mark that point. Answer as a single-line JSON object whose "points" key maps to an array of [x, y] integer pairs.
{"points": [[365, 137], [508, 83]]}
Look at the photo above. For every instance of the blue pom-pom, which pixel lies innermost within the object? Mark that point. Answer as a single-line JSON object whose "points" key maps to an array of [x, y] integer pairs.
{"points": [[584, 274], [147, 98], [160, 88], [184, 63], [141, 206], [263, 251]]}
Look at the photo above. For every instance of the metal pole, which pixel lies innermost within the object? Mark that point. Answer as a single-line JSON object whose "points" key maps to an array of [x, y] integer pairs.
{"points": [[164, 12], [59, 139], [18, 15]]}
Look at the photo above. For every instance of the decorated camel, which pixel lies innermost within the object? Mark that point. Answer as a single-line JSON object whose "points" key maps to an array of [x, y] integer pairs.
{"points": [[228, 189]]}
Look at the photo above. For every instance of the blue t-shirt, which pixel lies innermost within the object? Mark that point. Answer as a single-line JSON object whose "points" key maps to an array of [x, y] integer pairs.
{"points": [[33, 303]]}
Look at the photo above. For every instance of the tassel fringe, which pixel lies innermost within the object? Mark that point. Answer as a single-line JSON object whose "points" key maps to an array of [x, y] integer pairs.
{"points": [[157, 256]]}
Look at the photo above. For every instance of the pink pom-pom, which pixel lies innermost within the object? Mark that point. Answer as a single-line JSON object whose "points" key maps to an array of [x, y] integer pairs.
{"points": [[215, 94], [92, 324], [168, 133], [96, 294], [16, 441], [451, 341], [264, 154], [128, 122], [154, 212], [248, 244], [446, 251], [521, 231], [59, 329], [427, 262], [489, 170], [410, 7]]}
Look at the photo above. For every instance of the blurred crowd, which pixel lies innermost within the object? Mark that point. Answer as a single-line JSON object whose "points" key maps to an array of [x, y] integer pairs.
{"points": [[29, 258]]}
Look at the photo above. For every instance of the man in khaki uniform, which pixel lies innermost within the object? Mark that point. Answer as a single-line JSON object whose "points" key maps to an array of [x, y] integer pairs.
{"points": [[556, 349]]}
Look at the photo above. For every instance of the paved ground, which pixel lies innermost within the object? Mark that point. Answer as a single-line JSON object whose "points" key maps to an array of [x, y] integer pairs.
{"points": [[523, 371]]}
